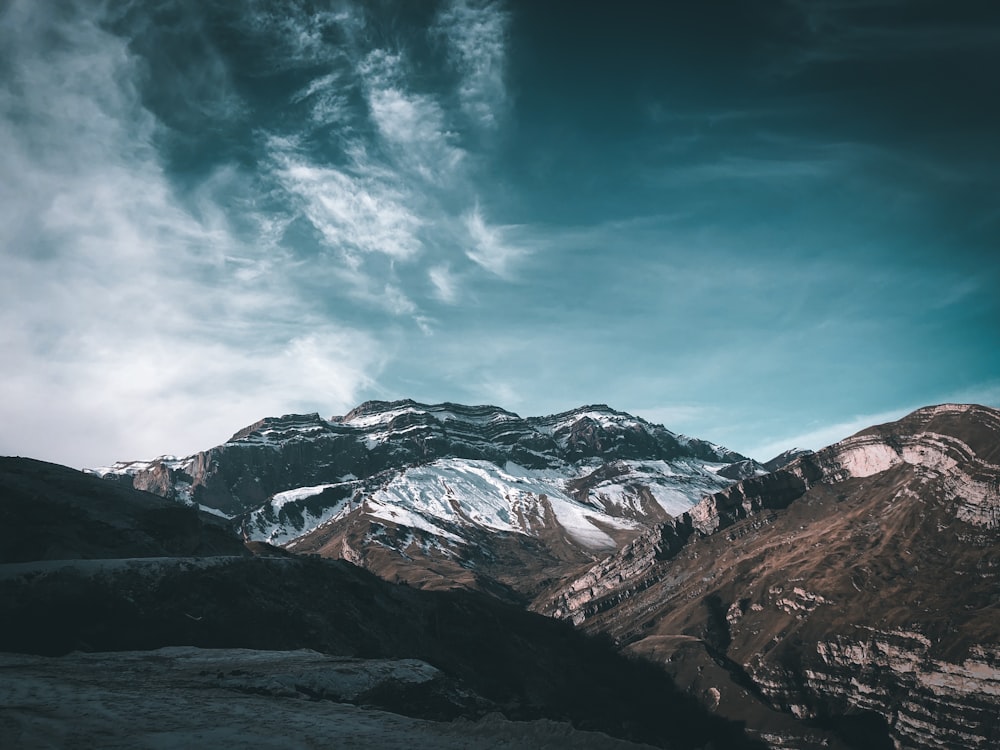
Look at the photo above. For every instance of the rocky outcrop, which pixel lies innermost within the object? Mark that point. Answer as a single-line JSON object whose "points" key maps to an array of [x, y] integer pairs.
{"points": [[926, 702]]}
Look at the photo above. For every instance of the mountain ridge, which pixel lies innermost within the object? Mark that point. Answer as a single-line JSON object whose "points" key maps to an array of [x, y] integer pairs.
{"points": [[447, 484]]}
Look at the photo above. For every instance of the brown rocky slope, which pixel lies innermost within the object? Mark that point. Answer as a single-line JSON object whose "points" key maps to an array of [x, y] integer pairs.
{"points": [[857, 588]]}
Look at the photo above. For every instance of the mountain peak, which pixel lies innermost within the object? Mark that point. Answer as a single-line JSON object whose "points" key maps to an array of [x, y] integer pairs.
{"points": [[270, 429], [975, 427], [785, 457], [372, 413], [375, 406]]}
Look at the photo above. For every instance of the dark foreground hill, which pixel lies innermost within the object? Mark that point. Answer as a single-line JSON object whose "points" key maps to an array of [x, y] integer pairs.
{"points": [[52, 512], [492, 657]]}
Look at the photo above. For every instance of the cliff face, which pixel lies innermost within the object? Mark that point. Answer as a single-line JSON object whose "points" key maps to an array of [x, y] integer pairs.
{"points": [[927, 702], [856, 588]]}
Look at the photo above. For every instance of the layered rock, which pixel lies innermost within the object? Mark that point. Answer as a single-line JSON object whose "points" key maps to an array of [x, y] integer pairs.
{"points": [[928, 702]]}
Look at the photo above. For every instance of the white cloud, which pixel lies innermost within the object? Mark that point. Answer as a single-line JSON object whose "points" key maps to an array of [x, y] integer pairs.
{"points": [[412, 125], [328, 99], [130, 325], [489, 248], [376, 202], [475, 33], [304, 30], [363, 213], [397, 301], [445, 284]]}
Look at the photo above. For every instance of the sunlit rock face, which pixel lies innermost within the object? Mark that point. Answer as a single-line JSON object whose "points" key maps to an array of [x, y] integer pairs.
{"points": [[934, 702], [856, 588]]}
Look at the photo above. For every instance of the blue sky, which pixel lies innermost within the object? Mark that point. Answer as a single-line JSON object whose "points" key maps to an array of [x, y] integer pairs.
{"points": [[763, 223]]}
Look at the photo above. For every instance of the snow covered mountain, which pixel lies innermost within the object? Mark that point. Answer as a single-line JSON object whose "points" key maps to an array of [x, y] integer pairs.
{"points": [[461, 490]]}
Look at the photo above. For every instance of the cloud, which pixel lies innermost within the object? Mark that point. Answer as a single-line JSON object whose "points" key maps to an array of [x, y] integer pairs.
{"points": [[412, 125], [308, 35], [445, 283], [135, 321], [488, 246], [475, 34], [363, 213], [393, 186], [328, 99]]}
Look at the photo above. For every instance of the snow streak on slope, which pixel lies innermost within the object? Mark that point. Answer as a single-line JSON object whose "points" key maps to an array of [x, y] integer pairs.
{"points": [[478, 493], [131, 468], [445, 495], [300, 493], [674, 485]]}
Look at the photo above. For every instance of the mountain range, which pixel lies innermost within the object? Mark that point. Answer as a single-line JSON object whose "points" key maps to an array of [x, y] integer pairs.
{"points": [[842, 598], [447, 494]]}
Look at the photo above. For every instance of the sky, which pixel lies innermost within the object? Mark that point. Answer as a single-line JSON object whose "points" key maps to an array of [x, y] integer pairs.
{"points": [[765, 223]]}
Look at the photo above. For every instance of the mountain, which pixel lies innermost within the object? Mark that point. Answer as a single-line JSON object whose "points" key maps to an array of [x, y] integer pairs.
{"points": [[855, 588], [444, 495], [840, 599]]}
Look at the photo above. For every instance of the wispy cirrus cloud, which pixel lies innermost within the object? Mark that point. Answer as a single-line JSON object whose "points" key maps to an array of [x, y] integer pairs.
{"points": [[307, 33], [489, 246], [361, 212], [121, 297], [445, 283], [396, 183], [475, 34], [411, 125]]}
